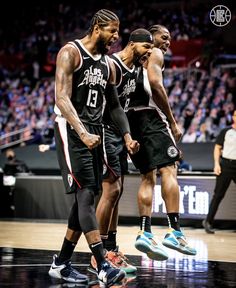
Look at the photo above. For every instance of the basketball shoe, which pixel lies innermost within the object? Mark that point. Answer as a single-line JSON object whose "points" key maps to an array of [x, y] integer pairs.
{"points": [[116, 260], [109, 275], [176, 240], [145, 243], [66, 272]]}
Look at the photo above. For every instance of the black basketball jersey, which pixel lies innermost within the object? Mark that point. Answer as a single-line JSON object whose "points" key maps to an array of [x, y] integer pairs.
{"points": [[143, 95], [125, 83], [89, 83], [142, 98]]}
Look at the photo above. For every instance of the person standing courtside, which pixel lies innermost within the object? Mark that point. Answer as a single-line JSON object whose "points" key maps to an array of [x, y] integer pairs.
{"points": [[84, 79], [126, 61], [224, 168], [152, 123]]}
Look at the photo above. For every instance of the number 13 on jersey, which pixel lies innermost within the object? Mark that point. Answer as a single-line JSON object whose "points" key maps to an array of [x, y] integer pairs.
{"points": [[92, 98]]}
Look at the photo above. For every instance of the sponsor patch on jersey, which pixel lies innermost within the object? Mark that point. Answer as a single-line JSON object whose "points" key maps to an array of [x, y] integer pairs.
{"points": [[172, 151], [70, 179]]}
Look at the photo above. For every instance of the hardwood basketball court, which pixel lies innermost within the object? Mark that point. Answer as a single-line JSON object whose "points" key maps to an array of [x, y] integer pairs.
{"points": [[27, 249]]}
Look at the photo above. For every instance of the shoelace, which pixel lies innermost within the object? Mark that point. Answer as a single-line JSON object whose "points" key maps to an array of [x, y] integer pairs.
{"points": [[122, 255], [113, 256], [106, 266]]}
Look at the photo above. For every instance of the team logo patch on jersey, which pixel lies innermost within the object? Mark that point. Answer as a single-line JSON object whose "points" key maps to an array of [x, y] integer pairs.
{"points": [[70, 179], [172, 151]]}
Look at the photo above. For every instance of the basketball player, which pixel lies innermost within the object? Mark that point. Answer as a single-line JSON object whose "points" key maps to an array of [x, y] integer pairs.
{"points": [[84, 77], [126, 62], [153, 125]]}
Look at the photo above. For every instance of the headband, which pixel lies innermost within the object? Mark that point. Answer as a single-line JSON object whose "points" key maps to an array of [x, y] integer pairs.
{"points": [[141, 38]]}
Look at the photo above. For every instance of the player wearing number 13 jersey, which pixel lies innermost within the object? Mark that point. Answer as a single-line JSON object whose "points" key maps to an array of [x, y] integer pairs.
{"points": [[88, 87], [85, 80], [90, 81]]}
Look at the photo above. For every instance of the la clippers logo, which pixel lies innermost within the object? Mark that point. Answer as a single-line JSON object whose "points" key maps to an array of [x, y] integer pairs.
{"points": [[172, 151], [220, 15], [70, 179]]}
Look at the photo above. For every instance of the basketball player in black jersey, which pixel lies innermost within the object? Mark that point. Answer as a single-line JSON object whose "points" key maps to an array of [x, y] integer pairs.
{"points": [[153, 125], [126, 62], [84, 79]]}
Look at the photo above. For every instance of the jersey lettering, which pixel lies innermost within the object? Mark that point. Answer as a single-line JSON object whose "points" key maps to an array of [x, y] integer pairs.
{"points": [[128, 88], [126, 104], [93, 76]]}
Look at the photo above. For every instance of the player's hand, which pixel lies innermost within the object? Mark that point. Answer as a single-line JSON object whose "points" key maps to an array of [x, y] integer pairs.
{"points": [[91, 140], [131, 145], [177, 133], [217, 169]]}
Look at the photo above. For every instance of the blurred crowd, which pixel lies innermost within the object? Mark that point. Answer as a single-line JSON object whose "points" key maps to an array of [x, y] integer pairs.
{"points": [[202, 100]]}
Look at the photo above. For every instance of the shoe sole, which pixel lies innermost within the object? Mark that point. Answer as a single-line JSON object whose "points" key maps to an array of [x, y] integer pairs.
{"points": [[92, 270], [154, 255], [128, 270], [118, 278], [55, 275], [209, 232], [178, 248]]}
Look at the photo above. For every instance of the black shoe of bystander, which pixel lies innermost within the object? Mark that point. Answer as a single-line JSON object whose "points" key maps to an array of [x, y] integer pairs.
{"points": [[207, 226]]}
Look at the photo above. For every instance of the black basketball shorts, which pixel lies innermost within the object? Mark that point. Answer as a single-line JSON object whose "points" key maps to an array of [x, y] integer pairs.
{"points": [[157, 145], [115, 153], [80, 166]]}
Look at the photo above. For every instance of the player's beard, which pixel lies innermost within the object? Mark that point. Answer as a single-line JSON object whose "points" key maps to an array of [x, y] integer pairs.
{"points": [[101, 45], [137, 58]]}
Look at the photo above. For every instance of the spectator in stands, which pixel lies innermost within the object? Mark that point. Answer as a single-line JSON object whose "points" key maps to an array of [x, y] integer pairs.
{"points": [[182, 36], [183, 165], [203, 134], [191, 135], [224, 168], [13, 165]]}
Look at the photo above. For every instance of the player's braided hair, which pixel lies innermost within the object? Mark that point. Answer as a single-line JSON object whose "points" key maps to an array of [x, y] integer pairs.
{"points": [[156, 28], [102, 18]]}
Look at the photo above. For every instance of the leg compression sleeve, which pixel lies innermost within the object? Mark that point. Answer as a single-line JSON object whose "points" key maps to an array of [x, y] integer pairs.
{"points": [[86, 210], [73, 221]]}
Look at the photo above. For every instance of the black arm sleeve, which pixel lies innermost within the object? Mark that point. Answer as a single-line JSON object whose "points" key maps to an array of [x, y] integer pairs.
{"points": [[117, 113]]}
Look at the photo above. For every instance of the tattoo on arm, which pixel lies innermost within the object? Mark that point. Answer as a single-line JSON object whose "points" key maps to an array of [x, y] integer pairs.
{"points": [[65, 66]]}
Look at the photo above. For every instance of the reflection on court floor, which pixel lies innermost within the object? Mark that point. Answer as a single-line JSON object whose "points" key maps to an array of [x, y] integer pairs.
{"points": [[29, 268]]}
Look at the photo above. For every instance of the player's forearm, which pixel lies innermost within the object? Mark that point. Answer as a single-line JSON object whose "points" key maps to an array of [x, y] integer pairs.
{"points": [[120, 119], [161, 100], [118, 115], [69, 113]]}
